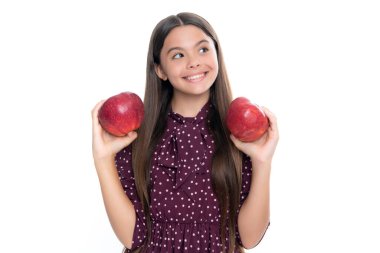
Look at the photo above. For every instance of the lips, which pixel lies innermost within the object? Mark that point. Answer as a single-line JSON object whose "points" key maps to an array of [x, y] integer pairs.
{"points": [[196, 78]]}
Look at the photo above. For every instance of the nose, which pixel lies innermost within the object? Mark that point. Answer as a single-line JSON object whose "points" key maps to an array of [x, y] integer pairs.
{"points": [[194, 66], [193, 62]]}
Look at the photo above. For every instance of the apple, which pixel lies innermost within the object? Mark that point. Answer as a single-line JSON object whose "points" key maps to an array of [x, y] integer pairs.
{"points": [[245, 120], [121, 113]]}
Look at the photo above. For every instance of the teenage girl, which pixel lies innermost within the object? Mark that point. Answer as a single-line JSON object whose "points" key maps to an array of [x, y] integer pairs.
{"points": [[182, 182]]}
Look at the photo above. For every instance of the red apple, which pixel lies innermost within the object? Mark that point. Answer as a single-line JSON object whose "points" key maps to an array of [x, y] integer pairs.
{"points": [[246, 121], [121, 113]]}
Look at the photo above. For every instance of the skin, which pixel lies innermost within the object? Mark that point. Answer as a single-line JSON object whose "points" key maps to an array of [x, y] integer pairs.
{"points": [[255, 212], [119, 208], [187, 52]]}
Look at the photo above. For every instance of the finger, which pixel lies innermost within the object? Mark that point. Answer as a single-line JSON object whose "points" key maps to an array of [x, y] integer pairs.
{"points": [[268, 113], [94, 111], [95, 121], [272, 121], [132, 135], [126, 140], [235, 141], [233, 138]]}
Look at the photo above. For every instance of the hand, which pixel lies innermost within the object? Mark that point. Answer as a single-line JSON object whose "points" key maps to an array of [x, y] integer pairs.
{"points": [[261, 150], [105, 145]]}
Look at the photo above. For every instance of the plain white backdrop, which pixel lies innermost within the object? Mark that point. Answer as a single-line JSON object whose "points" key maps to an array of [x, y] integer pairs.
{"points": [[315, 64]]}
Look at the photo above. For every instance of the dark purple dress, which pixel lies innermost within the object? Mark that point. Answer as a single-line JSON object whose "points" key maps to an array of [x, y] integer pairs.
{"points": [[184, 209]]}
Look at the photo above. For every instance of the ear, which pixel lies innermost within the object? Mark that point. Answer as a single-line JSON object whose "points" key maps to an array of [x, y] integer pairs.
{"points": [[160, 72]]}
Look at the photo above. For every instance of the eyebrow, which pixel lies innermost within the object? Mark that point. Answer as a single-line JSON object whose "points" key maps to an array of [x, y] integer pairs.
{"points": [[180, 48]]}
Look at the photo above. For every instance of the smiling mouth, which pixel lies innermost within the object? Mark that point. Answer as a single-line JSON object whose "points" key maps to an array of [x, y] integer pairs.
{"points": [[196, 78]]}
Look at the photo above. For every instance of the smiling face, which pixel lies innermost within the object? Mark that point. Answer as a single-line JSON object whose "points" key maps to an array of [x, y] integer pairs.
{"points": [[189, 61]]}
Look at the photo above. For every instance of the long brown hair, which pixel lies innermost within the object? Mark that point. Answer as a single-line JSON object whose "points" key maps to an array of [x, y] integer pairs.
{"points": [[227, 163]]}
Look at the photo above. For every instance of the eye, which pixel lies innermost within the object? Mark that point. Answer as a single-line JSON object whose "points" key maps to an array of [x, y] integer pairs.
{"points": [[203, 50], [177, 56]]}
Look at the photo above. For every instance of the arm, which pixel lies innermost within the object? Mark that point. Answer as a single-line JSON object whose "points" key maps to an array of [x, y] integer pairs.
{"points": [[253, 218], [119, 208], [254, 213]]}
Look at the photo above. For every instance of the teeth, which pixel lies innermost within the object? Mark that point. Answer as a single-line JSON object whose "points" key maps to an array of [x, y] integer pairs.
{"points": [[195, 77]]}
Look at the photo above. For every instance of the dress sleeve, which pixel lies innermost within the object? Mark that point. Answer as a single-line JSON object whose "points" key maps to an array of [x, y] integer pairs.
{"points": [[245, 188], [123, 162]]}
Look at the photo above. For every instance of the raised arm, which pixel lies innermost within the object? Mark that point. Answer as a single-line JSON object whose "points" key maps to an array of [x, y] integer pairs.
{"points": [[254, 213], [119, 207]]}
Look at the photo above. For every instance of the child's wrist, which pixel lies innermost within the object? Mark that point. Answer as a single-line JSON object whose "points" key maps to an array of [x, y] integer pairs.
{"points": [[261, 164], [104, 161]]}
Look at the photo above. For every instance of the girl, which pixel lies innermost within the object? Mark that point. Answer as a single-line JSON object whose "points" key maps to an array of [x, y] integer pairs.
{"points": [[185, 184]]}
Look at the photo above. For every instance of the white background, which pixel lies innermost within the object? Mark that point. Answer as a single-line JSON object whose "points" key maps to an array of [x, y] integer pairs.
{"points": [[315, 64]]}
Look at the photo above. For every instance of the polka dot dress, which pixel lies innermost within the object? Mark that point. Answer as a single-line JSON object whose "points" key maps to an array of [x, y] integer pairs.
{"points": [[185, 212]]}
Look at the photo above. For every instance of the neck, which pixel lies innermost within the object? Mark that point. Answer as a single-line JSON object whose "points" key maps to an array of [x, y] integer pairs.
{"points": [[188, 106]]}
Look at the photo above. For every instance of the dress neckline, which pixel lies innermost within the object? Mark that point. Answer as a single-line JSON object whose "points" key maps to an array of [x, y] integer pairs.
{"points": [[200, 117]]}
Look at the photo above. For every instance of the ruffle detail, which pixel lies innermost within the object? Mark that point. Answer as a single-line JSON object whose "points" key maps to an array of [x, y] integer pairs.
{"points": [[184, 150], [195, 237]]}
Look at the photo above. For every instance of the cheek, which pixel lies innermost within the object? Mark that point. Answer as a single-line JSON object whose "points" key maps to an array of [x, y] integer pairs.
{"points": [[215, 67], [174, 70], [213, 60], [214, 63]]}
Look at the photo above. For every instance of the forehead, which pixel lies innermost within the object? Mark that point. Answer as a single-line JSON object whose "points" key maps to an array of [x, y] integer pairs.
{"points": [[185, 36]]}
